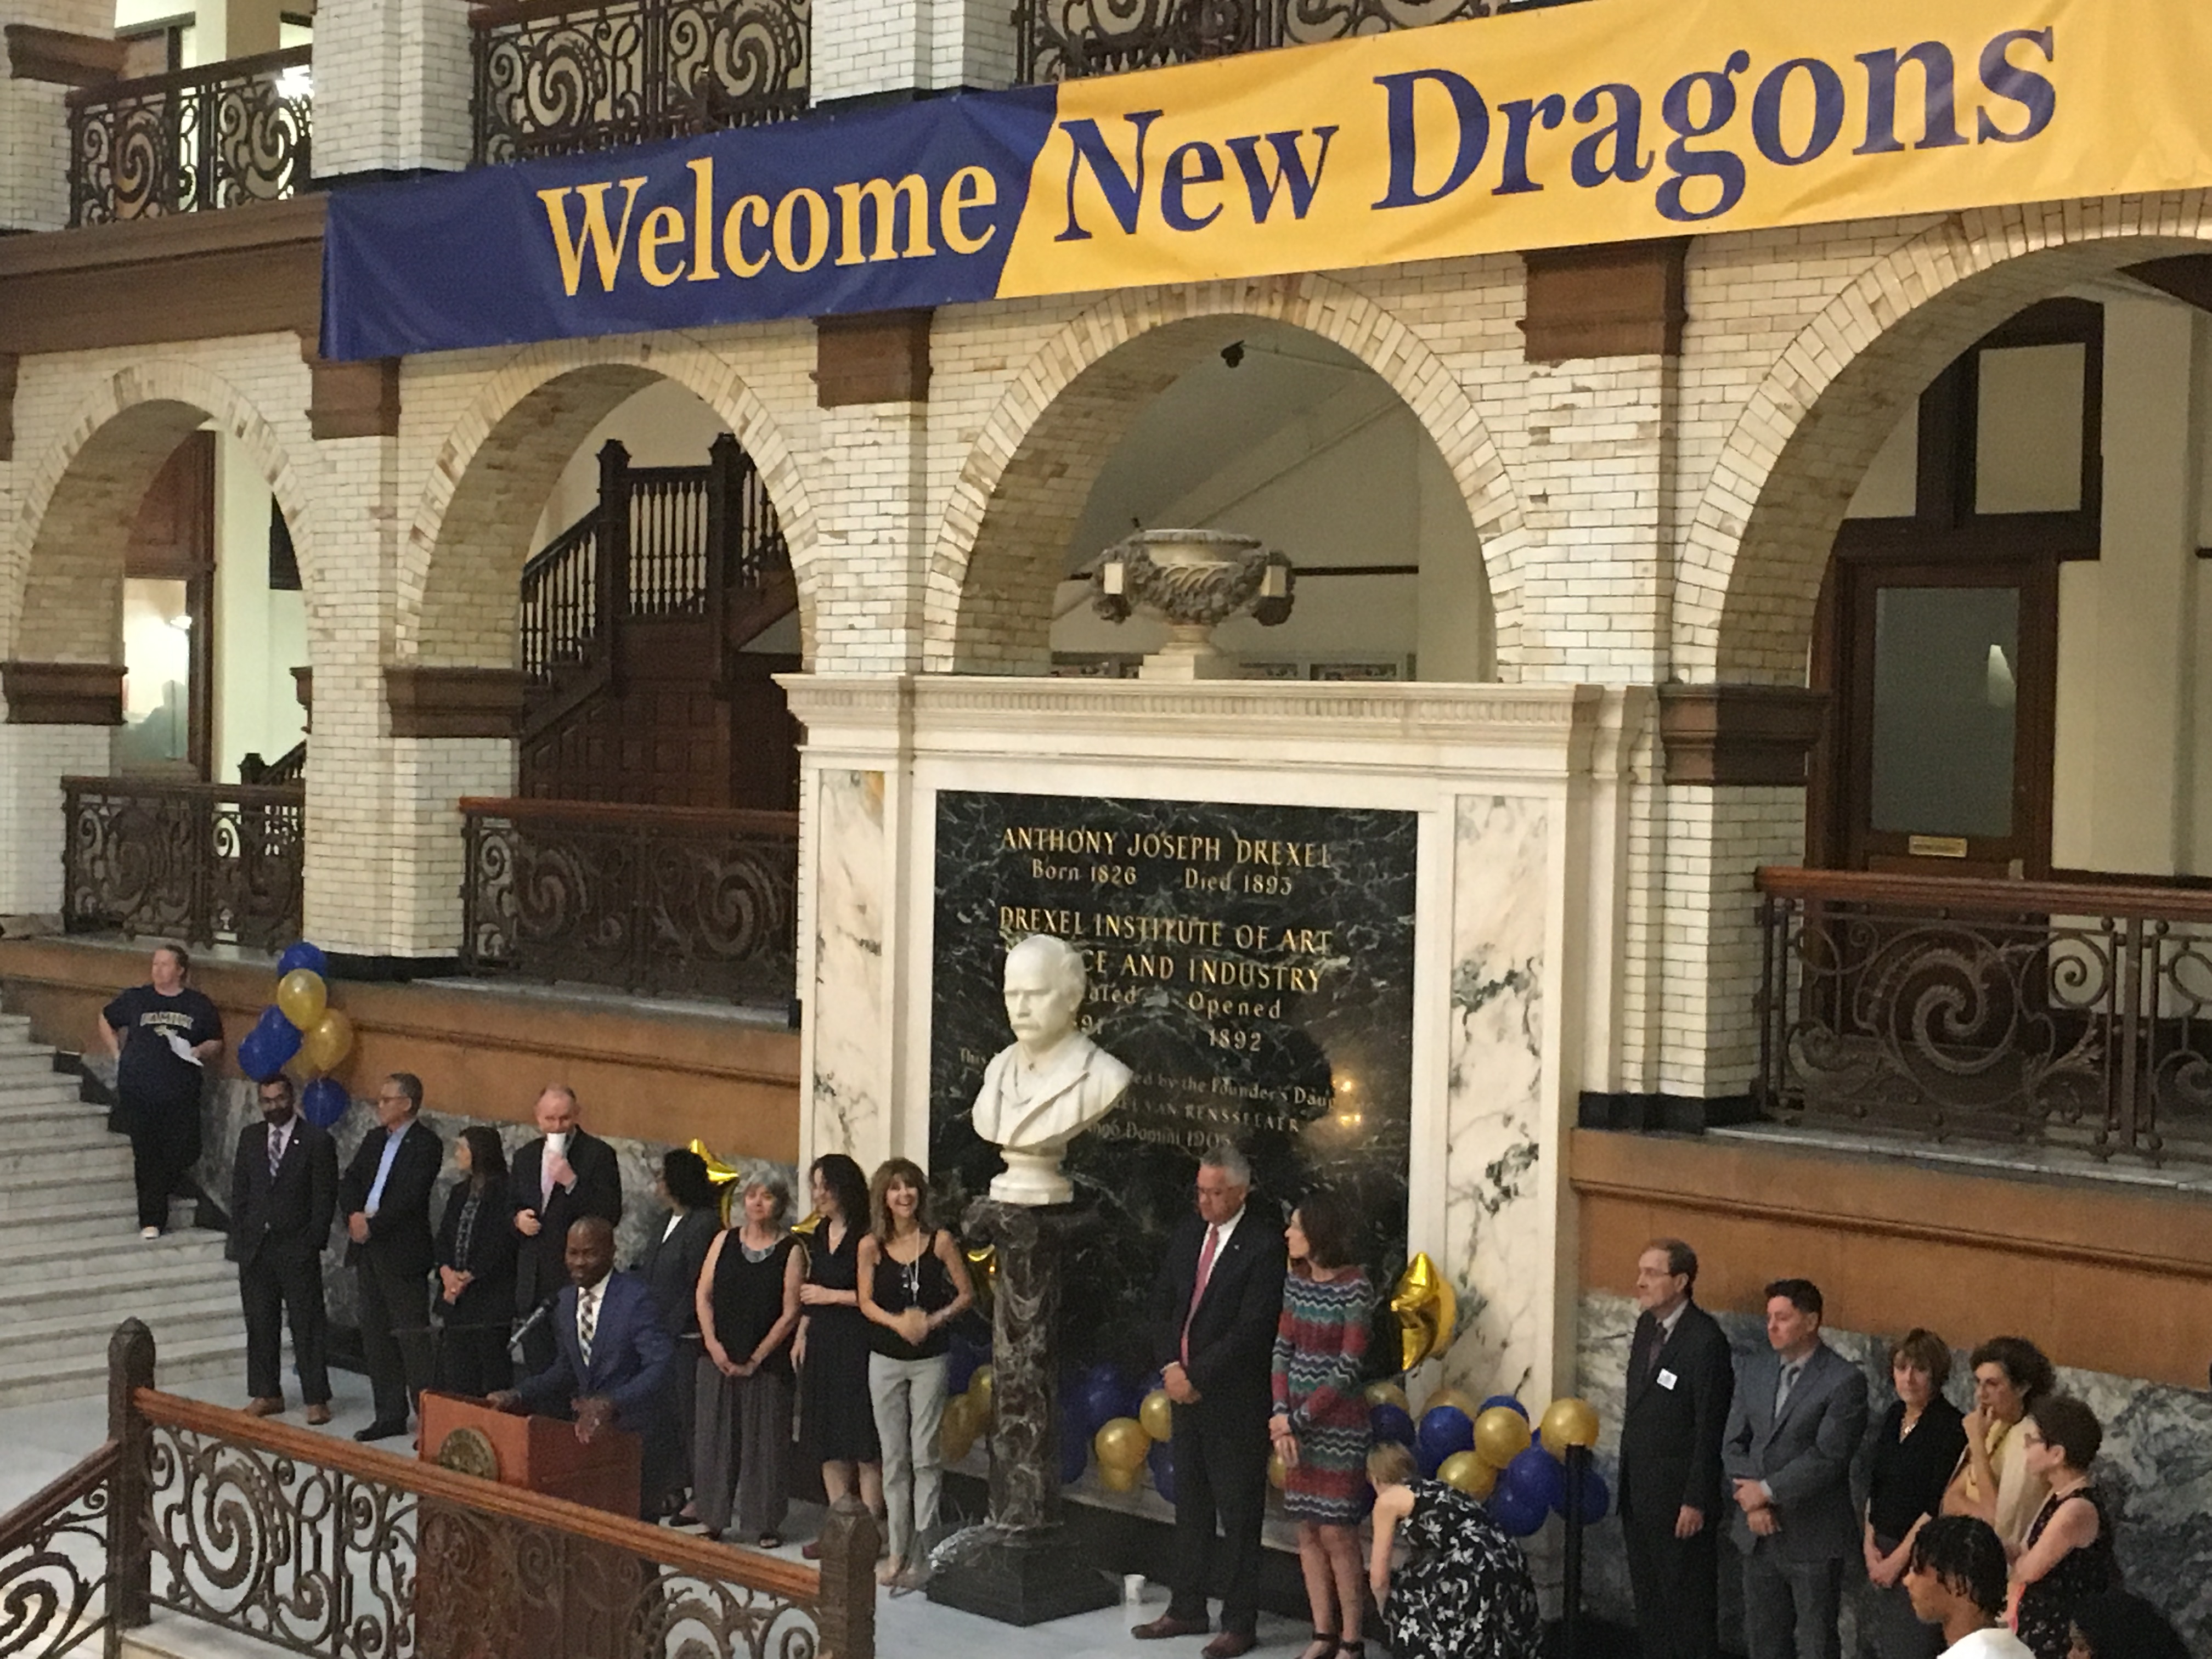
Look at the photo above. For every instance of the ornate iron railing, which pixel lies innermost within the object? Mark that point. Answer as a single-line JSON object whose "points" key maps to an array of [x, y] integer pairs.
{"points": [[201, 862], [312, 1544], [218, 136], [2060, 1013], [553, 77], [1068, 39], [652, 899]]}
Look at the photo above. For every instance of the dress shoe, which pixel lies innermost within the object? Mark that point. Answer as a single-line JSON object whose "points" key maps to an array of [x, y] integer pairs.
{"points": [[271, 1405], [1230, 1645], [318, 1415], [381, 1431], [1168, 1625]]}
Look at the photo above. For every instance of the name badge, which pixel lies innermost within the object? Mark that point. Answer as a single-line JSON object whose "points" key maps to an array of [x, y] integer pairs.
{"points": [[1665, 1379]]}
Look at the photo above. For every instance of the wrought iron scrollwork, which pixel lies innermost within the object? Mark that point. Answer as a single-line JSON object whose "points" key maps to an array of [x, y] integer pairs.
{"points": [[218, 136], [1069, 39], [206, 863], [553, 80], [688, 900]]}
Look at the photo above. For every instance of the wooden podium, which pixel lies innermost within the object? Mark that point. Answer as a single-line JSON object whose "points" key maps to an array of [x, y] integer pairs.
{"points": [[490, 1587]]}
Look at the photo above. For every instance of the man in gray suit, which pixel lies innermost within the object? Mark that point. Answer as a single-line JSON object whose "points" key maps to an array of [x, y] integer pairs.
{"points": [[1799, 1415]]}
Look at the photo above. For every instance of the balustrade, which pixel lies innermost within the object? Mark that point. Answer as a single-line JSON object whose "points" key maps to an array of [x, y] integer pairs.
{"points": [[203, 863], [218, 136]]}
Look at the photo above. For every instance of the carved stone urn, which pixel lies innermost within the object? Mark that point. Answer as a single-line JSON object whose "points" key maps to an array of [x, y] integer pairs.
{"points": [[1194, 580]]}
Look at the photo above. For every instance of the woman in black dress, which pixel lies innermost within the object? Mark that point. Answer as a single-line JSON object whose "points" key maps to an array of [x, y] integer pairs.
{"points": [[669, 1265], [476, 1270], [1915, 1449], [747, 1302], [2067, 1556], [831, 1350], [1464, 1591]]}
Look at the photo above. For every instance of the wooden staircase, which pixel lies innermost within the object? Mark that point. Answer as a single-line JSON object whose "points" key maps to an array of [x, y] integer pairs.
{"points": [[634, 624]]}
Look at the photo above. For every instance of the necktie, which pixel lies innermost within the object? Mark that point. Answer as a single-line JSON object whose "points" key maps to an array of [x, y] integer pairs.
{"points": [[588, 1320], [1789, 1381], [1198, 1286]]}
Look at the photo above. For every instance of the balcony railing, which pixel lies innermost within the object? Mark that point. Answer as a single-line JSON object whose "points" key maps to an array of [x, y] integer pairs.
{"points": [[687, 900], [215, 137], [205, 863], [1068, 39], [2065, 1014], [553, 77]]}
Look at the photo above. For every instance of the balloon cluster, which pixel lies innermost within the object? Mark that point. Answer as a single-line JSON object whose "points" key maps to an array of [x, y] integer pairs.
{"points": [[303, 1032], [1490, 1450]]}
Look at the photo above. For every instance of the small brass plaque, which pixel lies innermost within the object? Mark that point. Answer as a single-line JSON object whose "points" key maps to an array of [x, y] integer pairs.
{"points": [[1936, 847], [469, 1451]]}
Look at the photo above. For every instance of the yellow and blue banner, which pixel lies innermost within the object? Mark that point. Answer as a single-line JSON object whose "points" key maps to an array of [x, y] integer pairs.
{"points": [[1607, 121]]}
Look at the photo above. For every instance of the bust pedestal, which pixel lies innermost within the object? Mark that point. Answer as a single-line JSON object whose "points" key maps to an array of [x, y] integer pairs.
{"points": [[1019, 1567]]}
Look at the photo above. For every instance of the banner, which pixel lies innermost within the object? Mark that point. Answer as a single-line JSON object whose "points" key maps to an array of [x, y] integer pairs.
{"points": [[1607, 121]]}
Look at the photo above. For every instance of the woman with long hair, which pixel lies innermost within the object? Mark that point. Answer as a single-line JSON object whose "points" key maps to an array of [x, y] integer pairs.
{"points": [[747, 1303], [913, 1283], [476, 1269], [831, 1348], [1320, 1420]]}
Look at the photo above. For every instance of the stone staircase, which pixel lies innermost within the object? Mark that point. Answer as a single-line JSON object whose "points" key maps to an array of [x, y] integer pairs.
{"points": [[71, 1262]]}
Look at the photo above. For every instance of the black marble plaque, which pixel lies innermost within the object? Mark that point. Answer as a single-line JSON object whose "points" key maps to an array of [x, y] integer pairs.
{"points": [[1253, 965]]}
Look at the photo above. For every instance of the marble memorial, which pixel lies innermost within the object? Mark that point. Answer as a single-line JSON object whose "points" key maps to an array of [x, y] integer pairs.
{"points": [[1052, 1082]]}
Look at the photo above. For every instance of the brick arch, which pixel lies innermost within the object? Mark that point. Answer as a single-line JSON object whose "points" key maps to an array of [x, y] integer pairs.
{"points": [[988, 603], [461, 561], [1759, 541], [81, 500]]}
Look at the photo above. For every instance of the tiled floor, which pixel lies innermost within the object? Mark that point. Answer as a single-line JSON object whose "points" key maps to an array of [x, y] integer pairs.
{"points": [[39, 1443]]}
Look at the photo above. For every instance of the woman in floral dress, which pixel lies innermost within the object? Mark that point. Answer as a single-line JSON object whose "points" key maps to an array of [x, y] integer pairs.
{"points": [[1464, 1591]]}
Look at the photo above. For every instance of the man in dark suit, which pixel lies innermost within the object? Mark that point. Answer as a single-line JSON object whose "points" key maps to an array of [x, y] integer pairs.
{"points": [[283, 1193], [1215, 1307], [555, 1179], [1680, 1381], [1799, 1417], [386, 1195], [611, 1350]]}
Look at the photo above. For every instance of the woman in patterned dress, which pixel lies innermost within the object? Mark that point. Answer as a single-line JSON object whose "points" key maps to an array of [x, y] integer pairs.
{"points": [[1320, 1421], [2067, 1556], [1464, 1591]]}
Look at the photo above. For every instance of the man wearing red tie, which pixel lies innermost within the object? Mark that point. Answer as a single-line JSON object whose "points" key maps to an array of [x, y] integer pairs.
{"points": [[1214, 1310]]}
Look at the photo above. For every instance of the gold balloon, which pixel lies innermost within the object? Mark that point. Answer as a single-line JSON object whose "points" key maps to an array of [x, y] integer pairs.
{"points": [[1458, 1397], [1468, 1473], [1501, 1434], [1427, 1311], [982, 1384], [1117, 1479], [301, 996], [1120, 1443], [1569, 1422], [1389, 1393], [1157, 1414], [1276, 1473], [329, 1042]]}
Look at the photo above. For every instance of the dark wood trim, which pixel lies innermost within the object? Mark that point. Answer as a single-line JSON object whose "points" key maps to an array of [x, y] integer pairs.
{"points": [[63, 692], [9, 364], [427, 701], [881, 357], [352, 399], [1606, 300], [1731, 735], [253, 269], [58, 56]]}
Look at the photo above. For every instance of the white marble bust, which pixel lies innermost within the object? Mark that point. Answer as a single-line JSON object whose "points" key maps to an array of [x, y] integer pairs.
{"points": [[1052, 1082]]}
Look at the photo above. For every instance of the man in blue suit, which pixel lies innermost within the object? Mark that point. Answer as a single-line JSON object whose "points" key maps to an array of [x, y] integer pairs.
{"points": [[611, 1351]]}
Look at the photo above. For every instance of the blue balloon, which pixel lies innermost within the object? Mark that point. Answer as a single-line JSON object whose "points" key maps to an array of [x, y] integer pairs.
{"points": [[1536, 1475], [1390, 1422], [1074, 1449], [1444, 1430], [1509, 1402], [1514, 1513], [323, 1101], [303, 955], [1162, 1461]]}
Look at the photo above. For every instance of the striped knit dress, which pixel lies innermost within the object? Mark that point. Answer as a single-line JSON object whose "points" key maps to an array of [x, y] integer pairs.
{"points": [[1319, 1344]]}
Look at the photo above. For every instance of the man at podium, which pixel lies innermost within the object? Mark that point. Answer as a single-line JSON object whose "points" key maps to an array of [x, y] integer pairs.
{"points": [[611, 1350]]}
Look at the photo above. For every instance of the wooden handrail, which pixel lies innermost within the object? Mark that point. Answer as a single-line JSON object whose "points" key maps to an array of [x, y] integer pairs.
{"points": [[1985, 896], [202, 74], [57, 1494], [789, 1581], [524, 808]]}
